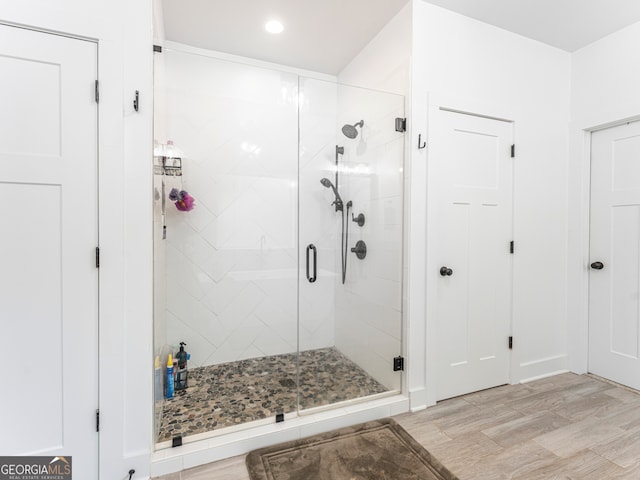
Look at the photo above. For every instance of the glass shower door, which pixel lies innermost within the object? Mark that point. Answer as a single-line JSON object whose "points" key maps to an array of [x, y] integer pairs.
{"points": [[226, 270], [350, 243]]}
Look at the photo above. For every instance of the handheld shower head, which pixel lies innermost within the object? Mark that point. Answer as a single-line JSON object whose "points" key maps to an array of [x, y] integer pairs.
{"points": [[338, 201], [350, 131]]}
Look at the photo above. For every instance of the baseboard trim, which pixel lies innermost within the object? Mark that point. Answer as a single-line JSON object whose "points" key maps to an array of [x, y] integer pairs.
{"points": [[546, 375], [541, 368]]}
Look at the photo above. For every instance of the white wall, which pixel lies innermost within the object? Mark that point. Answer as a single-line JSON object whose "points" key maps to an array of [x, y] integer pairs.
{"points": [[605, 78], [123, 30], [471, 66], [604, 90], [385, 62]]}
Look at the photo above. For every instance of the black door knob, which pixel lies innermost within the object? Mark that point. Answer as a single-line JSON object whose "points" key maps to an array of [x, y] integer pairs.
{"points": [[446, 272], [597, 265]]}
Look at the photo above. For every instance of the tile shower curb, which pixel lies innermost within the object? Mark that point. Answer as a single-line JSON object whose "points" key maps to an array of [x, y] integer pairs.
{"points": [[223, 446]]}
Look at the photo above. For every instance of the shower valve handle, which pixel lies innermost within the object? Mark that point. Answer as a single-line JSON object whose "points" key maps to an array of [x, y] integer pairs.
{"points": [[360, 249], [359, 219]]}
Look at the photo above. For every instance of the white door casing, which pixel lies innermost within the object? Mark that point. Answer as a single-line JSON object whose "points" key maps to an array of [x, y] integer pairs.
{"points": [[49, 281], [470, 198], [614, 289]]}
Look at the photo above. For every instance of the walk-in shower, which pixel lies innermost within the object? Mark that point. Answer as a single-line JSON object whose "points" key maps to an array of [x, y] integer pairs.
{"points": [[267, 164]]}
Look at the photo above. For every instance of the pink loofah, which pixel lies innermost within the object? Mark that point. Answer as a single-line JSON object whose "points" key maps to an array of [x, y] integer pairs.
{"points": [[186, 204], [183, 201]]}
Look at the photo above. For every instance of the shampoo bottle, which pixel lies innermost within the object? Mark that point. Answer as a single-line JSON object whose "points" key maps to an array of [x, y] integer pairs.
{"points": [[182, 356], [170, 380], [181, 373]]}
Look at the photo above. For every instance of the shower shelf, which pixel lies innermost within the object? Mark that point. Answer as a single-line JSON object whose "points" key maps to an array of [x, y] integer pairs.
{"points": [[168, 166]]}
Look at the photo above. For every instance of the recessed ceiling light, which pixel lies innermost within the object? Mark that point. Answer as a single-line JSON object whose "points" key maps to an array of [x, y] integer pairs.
{"points": [[274, 26]]}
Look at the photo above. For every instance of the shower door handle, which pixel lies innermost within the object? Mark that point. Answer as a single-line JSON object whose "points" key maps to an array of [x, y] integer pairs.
{"points": [[312, 247]]}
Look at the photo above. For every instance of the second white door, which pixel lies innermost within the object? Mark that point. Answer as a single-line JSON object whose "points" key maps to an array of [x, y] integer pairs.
{"points": [[470, 197], [614, 281]]}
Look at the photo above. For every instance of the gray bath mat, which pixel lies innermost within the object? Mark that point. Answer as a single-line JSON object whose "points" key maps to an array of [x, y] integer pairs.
{"points": [[378, 450]]}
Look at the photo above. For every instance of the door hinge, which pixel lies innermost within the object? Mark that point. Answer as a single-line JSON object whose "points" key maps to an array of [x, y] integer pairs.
{"points": [[97, 257], [512, 246], [401, 125], [513, 151], [510, 343], [157, 48], [97, 91], [97, 420], [398, 364]]}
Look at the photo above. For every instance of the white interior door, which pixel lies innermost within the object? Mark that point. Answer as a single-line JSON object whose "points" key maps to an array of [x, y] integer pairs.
{"points": [[470, 194], [49, 281], [614, 280]]}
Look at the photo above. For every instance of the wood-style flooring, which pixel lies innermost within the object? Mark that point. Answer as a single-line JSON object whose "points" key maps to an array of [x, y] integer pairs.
{"points": [[566, 427]]}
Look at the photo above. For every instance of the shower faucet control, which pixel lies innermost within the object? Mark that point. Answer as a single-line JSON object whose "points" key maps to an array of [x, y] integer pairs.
{"points": [[359, 219], [360, 249]]}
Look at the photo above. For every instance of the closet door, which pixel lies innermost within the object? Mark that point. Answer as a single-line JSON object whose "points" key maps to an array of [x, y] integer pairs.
{"points": [[49, 281], [614, 280], [470, 188]]}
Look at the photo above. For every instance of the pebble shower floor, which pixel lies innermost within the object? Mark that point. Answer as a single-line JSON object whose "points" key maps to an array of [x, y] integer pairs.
{"points": [[233, 393]]}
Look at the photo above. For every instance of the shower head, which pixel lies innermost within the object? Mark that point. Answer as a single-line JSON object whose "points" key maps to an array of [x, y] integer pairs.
{"points": [[350, 131], [338, 201]]}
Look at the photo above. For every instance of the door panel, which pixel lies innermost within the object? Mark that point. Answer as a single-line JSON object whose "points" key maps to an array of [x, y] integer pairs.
{"points": [[614, 303], [36, 326], [470, 185], [49, 285]]}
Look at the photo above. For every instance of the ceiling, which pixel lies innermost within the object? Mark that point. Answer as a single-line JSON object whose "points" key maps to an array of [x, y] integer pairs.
{"points": [[319, 35], [324, 35], [566, 24]]}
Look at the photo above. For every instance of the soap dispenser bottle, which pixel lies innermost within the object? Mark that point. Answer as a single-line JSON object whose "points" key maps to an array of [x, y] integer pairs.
{"points": [[182, 375], [169, 386]]}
